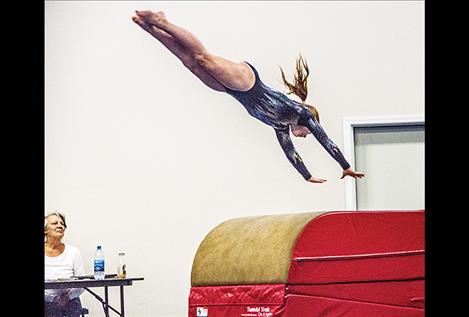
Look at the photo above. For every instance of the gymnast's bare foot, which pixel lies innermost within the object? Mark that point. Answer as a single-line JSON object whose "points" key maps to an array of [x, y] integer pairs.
{"points": [[142, 24], [154, 18]]}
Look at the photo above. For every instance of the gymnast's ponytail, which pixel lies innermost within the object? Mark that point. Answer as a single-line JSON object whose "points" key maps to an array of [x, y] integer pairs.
{"points": [[300, 85]]}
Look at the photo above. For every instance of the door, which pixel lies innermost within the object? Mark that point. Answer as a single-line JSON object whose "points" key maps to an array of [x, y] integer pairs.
{"points": [[391, 154]]}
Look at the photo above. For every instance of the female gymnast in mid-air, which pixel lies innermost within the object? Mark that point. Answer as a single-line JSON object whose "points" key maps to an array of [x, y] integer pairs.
{"points": [[242, 81]]}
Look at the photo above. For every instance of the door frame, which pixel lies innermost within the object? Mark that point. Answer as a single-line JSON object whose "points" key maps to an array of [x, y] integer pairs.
{"points": [[349, 124]]}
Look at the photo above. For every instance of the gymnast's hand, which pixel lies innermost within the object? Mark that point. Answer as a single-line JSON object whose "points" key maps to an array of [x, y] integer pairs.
{"points": [[313, 179], [350, 172]]}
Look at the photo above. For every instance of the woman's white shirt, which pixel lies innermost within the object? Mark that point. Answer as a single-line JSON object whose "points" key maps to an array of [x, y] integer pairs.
{"points": [[66, 265]]}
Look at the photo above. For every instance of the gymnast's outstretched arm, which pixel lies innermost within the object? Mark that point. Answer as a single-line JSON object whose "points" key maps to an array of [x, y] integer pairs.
{"points": [[316, 129], [283, 137]]}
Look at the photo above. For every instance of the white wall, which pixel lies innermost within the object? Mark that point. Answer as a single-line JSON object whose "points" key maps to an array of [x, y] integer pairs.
{"points": [[143, 158]]}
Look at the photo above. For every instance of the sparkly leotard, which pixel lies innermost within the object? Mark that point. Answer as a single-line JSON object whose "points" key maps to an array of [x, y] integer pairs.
{"points": [[277, 110]]}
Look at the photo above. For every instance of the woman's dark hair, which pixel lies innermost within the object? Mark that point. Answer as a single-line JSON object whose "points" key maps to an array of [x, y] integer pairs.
{"points": [[300, 84]]}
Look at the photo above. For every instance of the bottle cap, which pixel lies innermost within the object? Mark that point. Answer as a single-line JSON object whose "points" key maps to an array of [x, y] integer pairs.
{"points": [[121, 253]]}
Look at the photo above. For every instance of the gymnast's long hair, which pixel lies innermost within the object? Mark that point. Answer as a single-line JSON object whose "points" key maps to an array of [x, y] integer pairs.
{"points": [[300, 84]]}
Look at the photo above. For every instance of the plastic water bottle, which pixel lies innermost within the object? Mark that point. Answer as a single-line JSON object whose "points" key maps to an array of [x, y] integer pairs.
{"points": [[99, 264]]}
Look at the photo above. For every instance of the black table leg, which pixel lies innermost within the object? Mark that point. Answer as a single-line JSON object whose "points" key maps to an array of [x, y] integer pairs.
{"points": [[106, 299], [122, 301], [105, 303]]}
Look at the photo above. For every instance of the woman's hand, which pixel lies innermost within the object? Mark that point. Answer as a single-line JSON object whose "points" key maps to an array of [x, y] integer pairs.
{"points": [[350, 172], [62, 300], [313, 179]]}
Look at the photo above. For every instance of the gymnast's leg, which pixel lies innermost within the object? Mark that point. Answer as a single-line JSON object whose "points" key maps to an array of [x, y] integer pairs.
{"points": [[170, 43], [236, 76]]}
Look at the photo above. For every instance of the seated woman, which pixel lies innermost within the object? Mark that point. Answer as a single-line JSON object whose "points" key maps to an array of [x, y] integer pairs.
{"points": [[242, 81], [61, 261]]}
